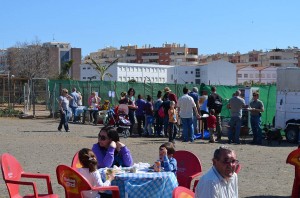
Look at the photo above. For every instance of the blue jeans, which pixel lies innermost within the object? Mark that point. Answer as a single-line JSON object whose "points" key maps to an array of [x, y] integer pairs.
{"points": [[187, 129], [235, 127], [255, 121], [64, 119], [74, 112], [195, 124], [148, 125]]}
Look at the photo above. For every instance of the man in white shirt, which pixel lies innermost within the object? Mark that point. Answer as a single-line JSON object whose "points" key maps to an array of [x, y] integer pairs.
{"points": [[186, 108], [220, 181]]}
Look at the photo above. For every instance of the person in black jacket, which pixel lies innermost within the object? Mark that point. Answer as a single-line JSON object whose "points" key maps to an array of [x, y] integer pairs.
{"points": [[215, 102]]}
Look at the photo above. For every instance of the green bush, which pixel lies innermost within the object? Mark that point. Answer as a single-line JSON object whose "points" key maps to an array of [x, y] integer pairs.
{"points": [[9, 112]]}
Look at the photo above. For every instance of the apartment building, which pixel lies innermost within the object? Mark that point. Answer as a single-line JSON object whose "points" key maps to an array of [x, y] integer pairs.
{"points": [[275, 57], [62, 52], [168, 54]]}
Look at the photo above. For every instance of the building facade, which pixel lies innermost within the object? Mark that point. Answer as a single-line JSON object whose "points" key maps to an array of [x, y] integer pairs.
{"points": [[124, 72], [168, 54], [60, 53]]}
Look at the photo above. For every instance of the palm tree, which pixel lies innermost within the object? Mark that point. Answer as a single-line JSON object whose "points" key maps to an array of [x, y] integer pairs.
{"points": [[102, 69], [64, 75]]}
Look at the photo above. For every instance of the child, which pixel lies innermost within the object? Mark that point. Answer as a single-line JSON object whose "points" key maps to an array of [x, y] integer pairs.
{"points": [[167, 161], [211, 125], [172, 122], [89, 170]]}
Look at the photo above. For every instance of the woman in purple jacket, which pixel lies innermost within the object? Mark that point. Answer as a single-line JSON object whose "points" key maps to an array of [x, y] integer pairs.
{"points": [[110, 151]]}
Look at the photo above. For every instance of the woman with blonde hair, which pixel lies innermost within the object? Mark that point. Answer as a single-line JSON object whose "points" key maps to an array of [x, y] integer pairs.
{"points": [[93, 103]]}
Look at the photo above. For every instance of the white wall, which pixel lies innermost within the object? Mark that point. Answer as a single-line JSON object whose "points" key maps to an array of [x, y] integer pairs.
{"points": [[218, 73]]}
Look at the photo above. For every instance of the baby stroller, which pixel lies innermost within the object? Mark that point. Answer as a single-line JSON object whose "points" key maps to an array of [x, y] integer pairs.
{"points": [[118, 117]]}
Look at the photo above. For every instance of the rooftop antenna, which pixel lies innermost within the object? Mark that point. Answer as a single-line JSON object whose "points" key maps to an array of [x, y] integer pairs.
{"points": [[53, 37]]}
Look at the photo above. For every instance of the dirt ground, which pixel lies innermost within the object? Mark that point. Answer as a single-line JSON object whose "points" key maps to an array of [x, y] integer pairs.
{"points": [[39, 147]]}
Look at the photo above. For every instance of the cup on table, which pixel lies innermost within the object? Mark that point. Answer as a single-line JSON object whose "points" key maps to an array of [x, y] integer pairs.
{"points": [[157, 166]]}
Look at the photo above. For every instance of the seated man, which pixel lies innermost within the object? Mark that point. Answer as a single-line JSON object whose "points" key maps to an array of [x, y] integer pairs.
{"points": [[221, 180]]}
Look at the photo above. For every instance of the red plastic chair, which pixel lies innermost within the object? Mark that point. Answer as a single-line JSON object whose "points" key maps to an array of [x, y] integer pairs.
{"points": [[74, 183], [12, 173], [75, 162], [293, 159], [189, 167], [182, 192]]}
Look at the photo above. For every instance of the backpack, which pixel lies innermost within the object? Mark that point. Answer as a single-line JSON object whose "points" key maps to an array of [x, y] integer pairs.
{"points": [[161, 112]]}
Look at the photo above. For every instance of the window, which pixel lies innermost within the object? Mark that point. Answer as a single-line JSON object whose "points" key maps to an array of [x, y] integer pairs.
{"points": [[245, 75], [198, 81], [262, 75], [186, 72], [239, 75], [88, 68], [198, 73], [192, 72], [84, 77], [84, 68], [120, 78], [171, 76], [251, 75], [256, 75], [268, 75]]}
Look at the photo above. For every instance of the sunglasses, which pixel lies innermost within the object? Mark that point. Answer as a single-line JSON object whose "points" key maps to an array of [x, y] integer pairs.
{"points": [[102, 137], [228, 161]]}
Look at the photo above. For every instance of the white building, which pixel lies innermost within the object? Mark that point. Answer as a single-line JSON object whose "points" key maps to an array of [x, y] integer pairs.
{"points": [[250, 74], [218, 72], [215, 73], [123, 72]]}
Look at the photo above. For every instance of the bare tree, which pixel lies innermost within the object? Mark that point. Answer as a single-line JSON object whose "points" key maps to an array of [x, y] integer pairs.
{"points": [[30, 60]]}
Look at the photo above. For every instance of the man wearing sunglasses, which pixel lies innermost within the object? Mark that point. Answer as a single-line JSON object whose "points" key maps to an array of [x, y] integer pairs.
{"points": [[221, 180], [256, 107]]}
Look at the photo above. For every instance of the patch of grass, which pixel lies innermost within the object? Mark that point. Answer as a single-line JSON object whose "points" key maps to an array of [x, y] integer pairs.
{"points": [[9, 112]]}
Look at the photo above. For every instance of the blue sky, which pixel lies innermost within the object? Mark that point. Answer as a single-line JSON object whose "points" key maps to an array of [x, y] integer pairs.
{"points": [[212, 26]]}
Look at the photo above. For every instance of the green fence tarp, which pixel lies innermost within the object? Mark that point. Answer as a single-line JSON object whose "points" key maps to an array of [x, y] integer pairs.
{"points": [[267, 92]]}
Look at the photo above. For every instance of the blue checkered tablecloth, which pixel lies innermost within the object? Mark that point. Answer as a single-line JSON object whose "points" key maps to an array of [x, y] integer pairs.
{"points": [[146, 184]]}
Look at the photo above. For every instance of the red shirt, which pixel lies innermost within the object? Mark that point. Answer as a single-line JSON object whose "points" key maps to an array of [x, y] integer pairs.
{"points": [[211, 121]]}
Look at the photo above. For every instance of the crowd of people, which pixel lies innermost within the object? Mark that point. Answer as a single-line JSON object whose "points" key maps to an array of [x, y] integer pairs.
{"points": [[163, 116]]}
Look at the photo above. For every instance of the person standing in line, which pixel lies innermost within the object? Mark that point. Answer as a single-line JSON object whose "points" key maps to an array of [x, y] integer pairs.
{"points": [[235, 105], [148, 117], [140, 114], [256, 107], [132, 107], [166, 106], [203, 109], [194, 94], [93, 102], [186, 106], [221, 180], [171, 95], [214, 101], [74, 104], [158, 120], [63, 102]]}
